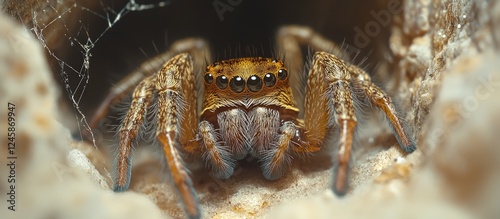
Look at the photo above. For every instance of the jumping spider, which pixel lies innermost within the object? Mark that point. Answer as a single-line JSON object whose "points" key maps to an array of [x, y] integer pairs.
{"points": [[246, 106]]}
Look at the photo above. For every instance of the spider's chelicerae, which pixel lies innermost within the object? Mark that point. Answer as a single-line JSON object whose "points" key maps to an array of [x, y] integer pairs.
{"points": [[247, 107]]}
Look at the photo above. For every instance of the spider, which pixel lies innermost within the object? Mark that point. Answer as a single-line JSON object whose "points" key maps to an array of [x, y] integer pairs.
{"points": [[246, 107]]}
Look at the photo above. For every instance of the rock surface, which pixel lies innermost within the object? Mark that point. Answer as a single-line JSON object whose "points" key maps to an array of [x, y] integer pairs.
{"points": [[46, 185]]}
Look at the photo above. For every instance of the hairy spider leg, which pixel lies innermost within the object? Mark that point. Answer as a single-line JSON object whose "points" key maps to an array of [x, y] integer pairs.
{"points": [[176, 125], [196, 47], [141, 100], [177, 119], [316, 120], [329, 86]]}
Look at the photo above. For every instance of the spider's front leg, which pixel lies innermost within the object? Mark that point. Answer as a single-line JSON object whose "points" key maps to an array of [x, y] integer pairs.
{"points": [[176, 127], [141, 100], [329, 87], [177, 121]]}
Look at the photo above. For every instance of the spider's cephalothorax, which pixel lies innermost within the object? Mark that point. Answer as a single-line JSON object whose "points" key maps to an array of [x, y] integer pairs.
{"points": [[246, 102], [247, 109]]}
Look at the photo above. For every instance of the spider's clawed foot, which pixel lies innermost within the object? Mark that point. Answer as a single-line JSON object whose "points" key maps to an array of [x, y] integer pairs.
{"points": [[409, 148]]}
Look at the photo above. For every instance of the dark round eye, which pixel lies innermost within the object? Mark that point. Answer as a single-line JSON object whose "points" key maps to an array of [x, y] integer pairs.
{"points": [[209, 78], [275, 60], [282, 74], [269, 79], [254, 83], [237, 84], [221, 82]]}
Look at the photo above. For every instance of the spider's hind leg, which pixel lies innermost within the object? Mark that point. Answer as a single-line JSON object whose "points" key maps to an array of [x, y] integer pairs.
{"points": [[382, 101]]}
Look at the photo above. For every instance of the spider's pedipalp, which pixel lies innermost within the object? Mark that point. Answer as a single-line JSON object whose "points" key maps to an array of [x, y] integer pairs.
{"points": [[235, 138], [276, 159], [217, 155]]}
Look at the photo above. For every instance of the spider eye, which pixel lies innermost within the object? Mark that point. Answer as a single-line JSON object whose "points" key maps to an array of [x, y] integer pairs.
{"points": [[221, 81], [237, 84], [209, 79], [269, 79], [282, 74], [254, 83]]}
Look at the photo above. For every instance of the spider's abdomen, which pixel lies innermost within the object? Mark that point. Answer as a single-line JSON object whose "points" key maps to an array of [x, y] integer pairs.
{"points": [[248, 132]]}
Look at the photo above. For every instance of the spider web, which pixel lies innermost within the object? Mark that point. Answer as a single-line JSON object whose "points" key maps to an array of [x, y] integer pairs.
{"points": [[82, 39]]}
